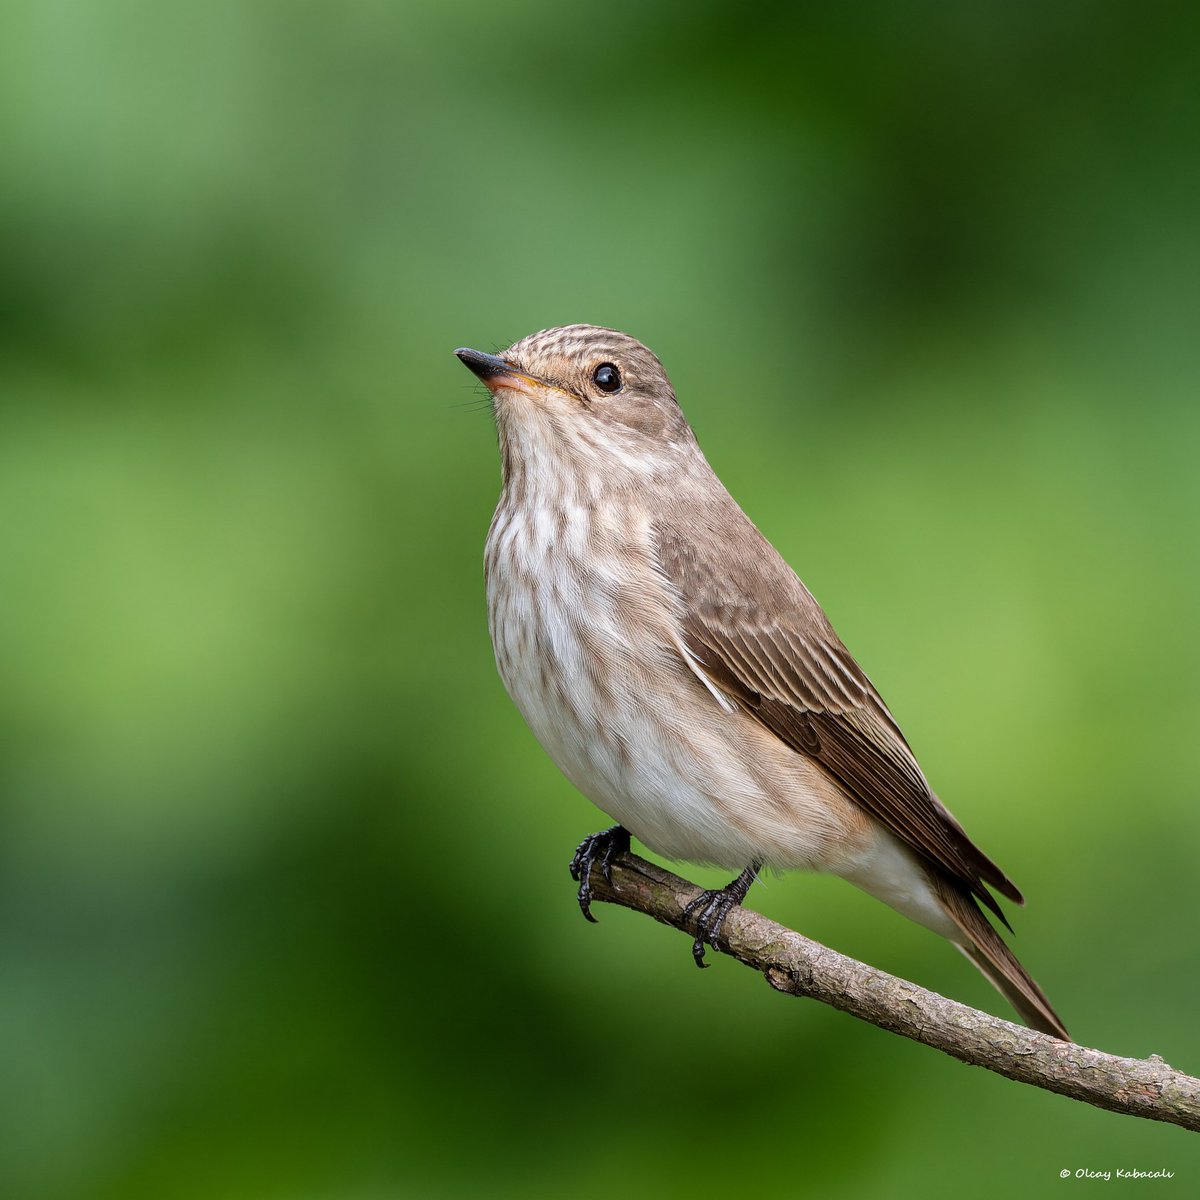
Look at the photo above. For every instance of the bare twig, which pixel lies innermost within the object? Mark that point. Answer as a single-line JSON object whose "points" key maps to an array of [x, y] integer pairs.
{"points": [[796, 965]]}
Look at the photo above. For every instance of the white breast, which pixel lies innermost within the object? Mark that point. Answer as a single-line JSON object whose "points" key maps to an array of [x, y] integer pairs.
{"points": [[583, 631]]}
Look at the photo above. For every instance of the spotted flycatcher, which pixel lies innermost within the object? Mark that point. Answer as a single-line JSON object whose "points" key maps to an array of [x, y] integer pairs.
{"points": [[680, 674]]}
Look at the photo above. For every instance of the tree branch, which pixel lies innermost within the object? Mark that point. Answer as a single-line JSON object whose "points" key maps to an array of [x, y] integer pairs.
{"points": [[796, 965]]}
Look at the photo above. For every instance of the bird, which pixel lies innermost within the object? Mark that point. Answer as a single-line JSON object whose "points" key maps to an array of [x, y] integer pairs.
{"points": [[684, 679]]}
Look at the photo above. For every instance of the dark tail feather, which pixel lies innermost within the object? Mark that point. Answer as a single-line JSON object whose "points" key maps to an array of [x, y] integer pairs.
{"points": [[984, 947]]}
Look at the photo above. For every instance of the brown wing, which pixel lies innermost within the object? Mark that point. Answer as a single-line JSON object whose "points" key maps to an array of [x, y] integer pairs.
{"points": [[759, 635]]}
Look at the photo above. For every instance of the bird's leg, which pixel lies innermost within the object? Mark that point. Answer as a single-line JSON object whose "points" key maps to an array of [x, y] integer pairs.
{"points": [[714, 906], [605, 846]]}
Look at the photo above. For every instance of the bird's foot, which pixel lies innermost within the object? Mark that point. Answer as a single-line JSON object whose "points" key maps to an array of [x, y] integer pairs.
{"points": [[604, 847], [711, 908]]}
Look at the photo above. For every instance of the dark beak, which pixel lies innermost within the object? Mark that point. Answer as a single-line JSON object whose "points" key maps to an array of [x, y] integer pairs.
{"points": [[486, 366]]}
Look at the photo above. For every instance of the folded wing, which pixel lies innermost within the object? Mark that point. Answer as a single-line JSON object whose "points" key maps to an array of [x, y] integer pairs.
{"points": [[764, 641]]}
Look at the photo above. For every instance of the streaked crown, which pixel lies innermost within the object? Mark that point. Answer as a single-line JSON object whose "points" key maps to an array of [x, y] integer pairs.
{"points": [[617, 381]]}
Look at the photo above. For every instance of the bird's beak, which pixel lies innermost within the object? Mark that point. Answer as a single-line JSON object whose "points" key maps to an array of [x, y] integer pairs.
{"points": [[495, 372]]}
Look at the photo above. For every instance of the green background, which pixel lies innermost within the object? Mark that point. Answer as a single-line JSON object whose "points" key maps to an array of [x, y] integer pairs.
{"points": [[283, 901]]}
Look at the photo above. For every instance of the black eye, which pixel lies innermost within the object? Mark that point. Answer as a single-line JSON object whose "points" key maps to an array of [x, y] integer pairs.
{"points": [[606, 377]]}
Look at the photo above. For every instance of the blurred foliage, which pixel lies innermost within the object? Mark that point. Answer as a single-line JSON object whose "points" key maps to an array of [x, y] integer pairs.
{"points": [[284, 901]]}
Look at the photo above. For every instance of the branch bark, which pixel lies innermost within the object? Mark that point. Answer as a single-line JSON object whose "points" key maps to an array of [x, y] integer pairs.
{"points": [[798, 966]]}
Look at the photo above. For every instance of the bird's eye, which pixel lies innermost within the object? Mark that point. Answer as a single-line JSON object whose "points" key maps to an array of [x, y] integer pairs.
{"points": [[606, 377]]}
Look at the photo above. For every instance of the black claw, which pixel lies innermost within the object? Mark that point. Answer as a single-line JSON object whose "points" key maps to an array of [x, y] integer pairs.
{"points": [[606, 846], [712, 907], [616, 845]]}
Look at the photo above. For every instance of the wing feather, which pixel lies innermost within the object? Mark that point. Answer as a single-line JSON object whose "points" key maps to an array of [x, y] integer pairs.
{"points": [[765, 643]]}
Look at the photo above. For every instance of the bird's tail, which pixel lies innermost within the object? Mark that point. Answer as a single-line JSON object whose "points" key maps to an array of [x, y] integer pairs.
{"points": [[985, 948]]}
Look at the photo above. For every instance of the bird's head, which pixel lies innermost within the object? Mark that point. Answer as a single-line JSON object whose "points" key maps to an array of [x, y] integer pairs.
{"points": [[585, 388]]}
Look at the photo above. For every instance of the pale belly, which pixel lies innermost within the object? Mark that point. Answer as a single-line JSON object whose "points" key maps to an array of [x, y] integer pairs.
{"points": [[591, 666]]}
